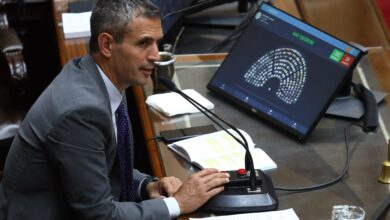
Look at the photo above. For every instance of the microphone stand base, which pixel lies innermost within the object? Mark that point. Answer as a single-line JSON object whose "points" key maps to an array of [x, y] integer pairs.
{"points": [[239, 199]]}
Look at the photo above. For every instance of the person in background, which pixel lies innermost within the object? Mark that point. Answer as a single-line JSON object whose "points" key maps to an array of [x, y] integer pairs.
{"points": [[73, 155]]}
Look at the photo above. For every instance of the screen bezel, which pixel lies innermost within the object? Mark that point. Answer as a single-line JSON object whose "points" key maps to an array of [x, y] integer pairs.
{"points": [[289, 129]]}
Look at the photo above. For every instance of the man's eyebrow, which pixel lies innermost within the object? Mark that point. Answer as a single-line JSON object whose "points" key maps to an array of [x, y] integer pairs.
{"points": [[147, 38], [144, 38]]}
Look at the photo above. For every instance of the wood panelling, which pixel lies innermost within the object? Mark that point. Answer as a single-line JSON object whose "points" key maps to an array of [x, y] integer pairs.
{"points": [[288, 6], [350, 20], [380, 61], [382, 17]]}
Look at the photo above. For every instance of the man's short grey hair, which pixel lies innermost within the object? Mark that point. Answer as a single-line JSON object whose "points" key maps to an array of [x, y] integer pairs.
{"points": [[113, 16]]}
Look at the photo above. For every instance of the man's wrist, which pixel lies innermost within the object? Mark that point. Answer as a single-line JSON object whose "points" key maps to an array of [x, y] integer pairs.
{"points": [[144, 184]]}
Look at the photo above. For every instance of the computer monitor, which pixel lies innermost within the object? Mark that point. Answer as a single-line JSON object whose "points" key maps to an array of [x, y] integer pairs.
{"points": [[285, 70]]}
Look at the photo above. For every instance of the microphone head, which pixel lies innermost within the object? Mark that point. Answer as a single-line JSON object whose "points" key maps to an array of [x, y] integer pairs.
{"points": [[168, 83]]}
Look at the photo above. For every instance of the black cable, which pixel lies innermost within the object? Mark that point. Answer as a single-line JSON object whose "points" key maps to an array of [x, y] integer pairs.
{"points": [[238, 30], [195, 8], [338, 178], [234, 35], [177, 40]]}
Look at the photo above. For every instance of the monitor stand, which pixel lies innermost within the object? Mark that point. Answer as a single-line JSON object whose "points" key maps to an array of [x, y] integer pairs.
{"points": [[351, 106]]}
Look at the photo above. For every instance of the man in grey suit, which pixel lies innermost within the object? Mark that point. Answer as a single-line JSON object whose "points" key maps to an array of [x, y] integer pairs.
{"points": [[64, 162]]}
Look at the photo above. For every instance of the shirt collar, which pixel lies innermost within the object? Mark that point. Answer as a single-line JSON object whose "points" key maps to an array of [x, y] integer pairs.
{"points": [[113, 93]]}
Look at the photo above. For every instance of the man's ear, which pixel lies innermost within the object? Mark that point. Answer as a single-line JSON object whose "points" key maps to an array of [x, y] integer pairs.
{"points": [[106, 42]]}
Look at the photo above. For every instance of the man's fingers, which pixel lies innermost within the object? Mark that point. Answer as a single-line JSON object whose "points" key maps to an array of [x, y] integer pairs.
{"points": [[199, 188], [169, 186], [214, 191], [212, 177], [206, 172], [221, 179]]}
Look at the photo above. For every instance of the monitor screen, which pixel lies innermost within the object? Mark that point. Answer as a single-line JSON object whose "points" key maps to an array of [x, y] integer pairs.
{"points": [[285, 70]]}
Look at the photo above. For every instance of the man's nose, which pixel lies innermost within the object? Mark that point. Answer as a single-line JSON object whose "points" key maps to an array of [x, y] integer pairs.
{"points": [[154, 54]]}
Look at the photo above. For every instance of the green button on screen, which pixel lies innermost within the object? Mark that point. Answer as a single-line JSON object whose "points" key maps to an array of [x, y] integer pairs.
{"points": [[337, 55]]}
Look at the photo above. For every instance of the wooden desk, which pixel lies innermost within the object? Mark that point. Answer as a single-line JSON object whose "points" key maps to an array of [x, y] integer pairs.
{"points": [[318, 160]]}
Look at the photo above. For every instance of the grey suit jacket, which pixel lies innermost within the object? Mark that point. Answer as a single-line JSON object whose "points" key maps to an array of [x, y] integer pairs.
{"points": [[63, 163]]}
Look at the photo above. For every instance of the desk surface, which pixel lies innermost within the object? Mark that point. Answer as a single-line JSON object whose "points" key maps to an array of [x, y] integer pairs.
{"points": [[320, 159]]}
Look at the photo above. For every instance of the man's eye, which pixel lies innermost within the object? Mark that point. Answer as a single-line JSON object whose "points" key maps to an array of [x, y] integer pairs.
{"points": [[144, 43]]}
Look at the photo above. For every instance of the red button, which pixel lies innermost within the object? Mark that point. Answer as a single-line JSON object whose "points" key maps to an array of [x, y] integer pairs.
{"points": [[241, 172], [347, 60]]}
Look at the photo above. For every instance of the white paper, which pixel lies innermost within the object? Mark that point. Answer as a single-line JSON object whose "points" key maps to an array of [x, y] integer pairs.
{"points": [[171, 104], [287, 214], [76, 25], [220, 151]]}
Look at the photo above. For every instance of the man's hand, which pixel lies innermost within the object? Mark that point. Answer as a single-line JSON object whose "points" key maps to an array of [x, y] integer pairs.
{"points": [[199, 188], [165, 187]]}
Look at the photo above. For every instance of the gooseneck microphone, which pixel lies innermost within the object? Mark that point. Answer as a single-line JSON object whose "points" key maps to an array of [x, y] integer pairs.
{"points": [[238, 196], [248, 157]]}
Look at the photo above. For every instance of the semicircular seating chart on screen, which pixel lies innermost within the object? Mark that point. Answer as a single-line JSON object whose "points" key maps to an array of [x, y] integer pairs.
{"points": [[285, 64]]}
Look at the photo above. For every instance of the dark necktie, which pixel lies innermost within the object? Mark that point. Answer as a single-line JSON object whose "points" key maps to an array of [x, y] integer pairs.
{"points": [[125, 154]]}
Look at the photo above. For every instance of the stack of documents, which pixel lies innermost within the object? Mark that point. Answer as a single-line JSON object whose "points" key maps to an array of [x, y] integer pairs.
{"points": [[171, 104]]}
